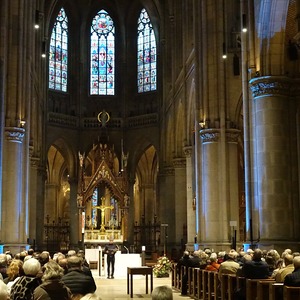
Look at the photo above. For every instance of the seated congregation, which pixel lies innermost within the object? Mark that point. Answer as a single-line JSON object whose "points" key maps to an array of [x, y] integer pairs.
{"points": [[254, 274], [30, 276]]}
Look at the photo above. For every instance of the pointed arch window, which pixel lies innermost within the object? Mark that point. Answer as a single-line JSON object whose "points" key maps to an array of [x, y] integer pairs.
{"points": [[58, 53], [102, 55], [146, 54]]}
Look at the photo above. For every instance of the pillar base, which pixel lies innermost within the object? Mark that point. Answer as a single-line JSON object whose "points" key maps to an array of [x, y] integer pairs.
{"points": [[280, 246], [14, 248]]}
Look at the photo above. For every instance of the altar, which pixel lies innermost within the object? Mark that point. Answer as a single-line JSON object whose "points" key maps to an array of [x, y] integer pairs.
{"points": [[122, 261]]}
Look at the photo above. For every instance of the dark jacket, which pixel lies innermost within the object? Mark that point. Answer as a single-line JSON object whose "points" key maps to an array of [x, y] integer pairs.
{"points": [[52, 290], [293, 279], [255, 269], [79, 282]]}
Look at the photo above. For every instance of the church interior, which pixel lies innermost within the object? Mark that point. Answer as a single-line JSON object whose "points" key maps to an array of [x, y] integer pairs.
{"points": [[165, 124]]}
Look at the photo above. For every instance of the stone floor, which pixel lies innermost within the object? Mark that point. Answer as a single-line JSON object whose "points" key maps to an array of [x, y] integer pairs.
{"points": [[116, 288]]}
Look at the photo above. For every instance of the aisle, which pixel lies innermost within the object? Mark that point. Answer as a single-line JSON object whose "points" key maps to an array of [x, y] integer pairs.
{"points": [[109, 289]]}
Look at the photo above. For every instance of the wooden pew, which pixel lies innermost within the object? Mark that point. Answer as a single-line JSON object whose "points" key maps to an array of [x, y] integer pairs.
{"points": [[252, 288], [210, 283], [276, 291], [199, 285], [204, 285], [291, 293], [263, 289], [190, 281], [228, 286], [193, 290]]}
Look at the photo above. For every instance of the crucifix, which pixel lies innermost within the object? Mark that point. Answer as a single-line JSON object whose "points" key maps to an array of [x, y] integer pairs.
{"points": [[102, 207]]}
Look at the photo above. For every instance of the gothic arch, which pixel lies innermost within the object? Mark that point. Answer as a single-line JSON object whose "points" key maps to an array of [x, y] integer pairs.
{"points": [[145, 199]]}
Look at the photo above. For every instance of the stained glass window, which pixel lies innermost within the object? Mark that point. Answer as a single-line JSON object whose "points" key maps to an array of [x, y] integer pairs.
{"points": [[146, 54], [102, 68], [58, 53]]}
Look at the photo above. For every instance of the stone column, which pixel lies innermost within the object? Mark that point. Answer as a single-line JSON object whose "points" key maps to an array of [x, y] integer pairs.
{"points": [[212, 228], [180, 199], [149, 201], [220, 198], [13, 226], [167, 200], [275, 152], [2, 125], [75, 219], [190, 198], [51, 200]]}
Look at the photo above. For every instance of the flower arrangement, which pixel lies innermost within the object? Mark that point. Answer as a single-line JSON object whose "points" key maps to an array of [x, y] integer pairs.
{"points": [[162, 267]]}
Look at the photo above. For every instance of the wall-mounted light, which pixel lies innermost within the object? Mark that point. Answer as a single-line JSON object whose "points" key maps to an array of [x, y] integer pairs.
{"points": [[22, 123], [43, 49], [202, 124], [37, 19], [224, 56], [244, 23]]}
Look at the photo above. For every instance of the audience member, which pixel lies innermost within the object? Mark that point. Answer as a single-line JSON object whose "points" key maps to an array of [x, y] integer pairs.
{"points": [[3, 265], [52, 288], [194, 261], [256, 268], [293, 279], [289, 268], [23, 288], [278, 266], [14, 272], [4, 294], [44, 257], [229, 266], [162, 292], [221, 256], [76, 280], [213, 263], [182, 273], [183, 261]]}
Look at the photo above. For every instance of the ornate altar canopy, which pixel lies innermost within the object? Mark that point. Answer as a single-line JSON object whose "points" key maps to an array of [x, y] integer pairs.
{"points": [[103, 195]]}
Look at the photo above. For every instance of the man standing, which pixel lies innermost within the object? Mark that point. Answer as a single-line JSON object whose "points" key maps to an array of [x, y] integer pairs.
{"points": [[111, 249]]}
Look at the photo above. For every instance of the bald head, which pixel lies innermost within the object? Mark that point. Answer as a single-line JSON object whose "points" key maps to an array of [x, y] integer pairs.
{"points": [[297, 262]]}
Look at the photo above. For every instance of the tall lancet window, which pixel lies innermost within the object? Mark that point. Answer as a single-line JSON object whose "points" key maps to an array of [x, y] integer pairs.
{"points": [[146, 54], [102, 60], [58, 53]]}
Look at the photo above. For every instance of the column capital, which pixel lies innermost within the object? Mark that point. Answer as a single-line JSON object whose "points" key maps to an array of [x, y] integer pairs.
{"points": [[167, 171], [188, 150], [15, 134], [210, 135], [274, 86], [179, 162], [232, 135]]}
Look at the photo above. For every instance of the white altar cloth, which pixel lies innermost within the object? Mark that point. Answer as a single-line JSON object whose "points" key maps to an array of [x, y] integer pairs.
{"points": [[122, 261]]}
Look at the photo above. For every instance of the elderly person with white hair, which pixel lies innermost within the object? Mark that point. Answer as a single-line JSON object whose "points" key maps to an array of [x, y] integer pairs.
{"points": [[213, 263], [23, 288]]}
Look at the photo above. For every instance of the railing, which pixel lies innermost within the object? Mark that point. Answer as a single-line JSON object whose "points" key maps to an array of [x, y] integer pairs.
{"points": [[56, 235], [206, 285], [58, 119]]}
